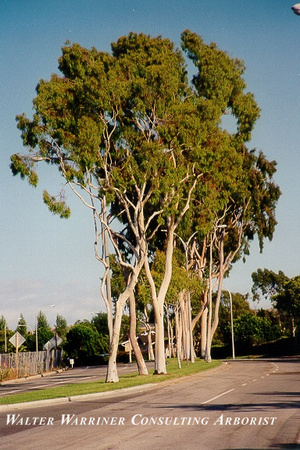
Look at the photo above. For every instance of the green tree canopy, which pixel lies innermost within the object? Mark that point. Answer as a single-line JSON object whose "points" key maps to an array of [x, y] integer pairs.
{"points": [[128, 131], [252, 330], [61, 326], [287, 300], [3, 323], [267, 283], [84, 343], [100, 322]]}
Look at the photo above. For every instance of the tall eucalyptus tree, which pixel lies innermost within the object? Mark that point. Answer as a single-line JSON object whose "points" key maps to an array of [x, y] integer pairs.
{"points": [[117, 128], [140, 146]]}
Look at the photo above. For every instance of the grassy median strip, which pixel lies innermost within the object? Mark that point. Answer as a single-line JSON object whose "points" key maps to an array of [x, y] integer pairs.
{"points": [[129, 380]]}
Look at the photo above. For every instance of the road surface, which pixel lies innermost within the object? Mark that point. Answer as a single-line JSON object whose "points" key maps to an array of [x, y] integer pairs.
{"points": [[242, 404]]}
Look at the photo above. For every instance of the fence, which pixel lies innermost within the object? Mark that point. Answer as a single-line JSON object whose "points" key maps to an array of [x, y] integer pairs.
{"points": [[24, 364]]}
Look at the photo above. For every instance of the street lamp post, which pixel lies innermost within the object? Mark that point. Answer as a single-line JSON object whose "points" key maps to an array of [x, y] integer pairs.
{"points": [[36, 326]]}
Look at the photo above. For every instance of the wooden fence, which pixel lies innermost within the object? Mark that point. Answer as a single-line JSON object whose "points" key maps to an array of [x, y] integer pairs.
{"points": [[25, 364]]}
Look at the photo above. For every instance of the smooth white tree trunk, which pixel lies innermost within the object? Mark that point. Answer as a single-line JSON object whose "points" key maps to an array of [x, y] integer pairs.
{"points": [[142, 368], [112, 371], [178, 336], [160, 359], [203, 332]]}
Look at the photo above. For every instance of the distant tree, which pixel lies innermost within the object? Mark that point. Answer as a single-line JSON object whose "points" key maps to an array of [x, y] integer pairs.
{"points": [[240, 307], [287, 302], [42, 321], [3, 323], [61, 326], [5, 335], [85, 344], [267, 283], [125, 328], [284, 294], [22, 329], [44, 332], [251, 330], [22, 326], [100, 322]]}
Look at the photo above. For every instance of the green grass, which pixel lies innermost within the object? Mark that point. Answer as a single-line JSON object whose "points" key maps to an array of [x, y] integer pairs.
{"points": [[126, 381]]}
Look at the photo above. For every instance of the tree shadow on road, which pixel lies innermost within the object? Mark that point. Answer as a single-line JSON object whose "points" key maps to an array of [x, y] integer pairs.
{"points": [[243, 407]]}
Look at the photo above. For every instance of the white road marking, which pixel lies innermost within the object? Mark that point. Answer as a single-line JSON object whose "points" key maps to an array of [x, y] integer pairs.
{"points": [[218, 396]]}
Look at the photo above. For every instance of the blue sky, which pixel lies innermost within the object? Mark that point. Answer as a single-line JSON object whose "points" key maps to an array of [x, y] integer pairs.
{"points": [[45, 260]]}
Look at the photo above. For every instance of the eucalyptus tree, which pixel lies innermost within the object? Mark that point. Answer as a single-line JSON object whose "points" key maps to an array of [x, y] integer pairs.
{"points": [[140, 147], [287, 302], [282, 291], [242, 194], [267, 283], [118, 128]]}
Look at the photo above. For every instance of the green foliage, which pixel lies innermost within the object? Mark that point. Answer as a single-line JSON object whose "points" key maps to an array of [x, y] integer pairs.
{"points": [[252, 330], [42, 321], [45, 333], [3, 322], [100, 323], [22, 326], [219, 83], [19, 166], [287, 301], [125, 328], [182, 279], [61, 326], [267, 282], [240, 307], [132, 122], [30, 343], [129, 127], [282, 291], [2, 340], [85, 344], [56, 207]]}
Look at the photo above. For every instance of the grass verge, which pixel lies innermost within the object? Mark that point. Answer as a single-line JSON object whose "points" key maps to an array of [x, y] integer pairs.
{"points": [[129, 380]]}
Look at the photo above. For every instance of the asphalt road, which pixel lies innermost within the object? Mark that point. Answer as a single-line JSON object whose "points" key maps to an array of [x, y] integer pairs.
{"points": [[242, 404]]}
